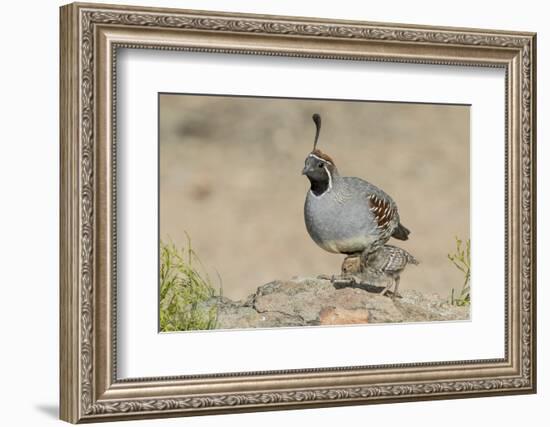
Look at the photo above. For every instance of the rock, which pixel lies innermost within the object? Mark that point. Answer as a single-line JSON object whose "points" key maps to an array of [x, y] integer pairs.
{"points": [[343, 316], [418, 307], [317, 301]]}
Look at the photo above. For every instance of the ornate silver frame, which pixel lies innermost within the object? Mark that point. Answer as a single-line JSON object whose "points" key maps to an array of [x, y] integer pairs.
{"points": [[90, 36]]}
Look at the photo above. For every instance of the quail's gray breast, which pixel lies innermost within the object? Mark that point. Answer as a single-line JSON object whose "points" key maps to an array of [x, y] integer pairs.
{"points": [[339, 220]]}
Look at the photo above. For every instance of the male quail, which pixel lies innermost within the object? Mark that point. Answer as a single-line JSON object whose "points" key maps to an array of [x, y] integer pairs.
{"points": [[343, 214], [387, 261]]}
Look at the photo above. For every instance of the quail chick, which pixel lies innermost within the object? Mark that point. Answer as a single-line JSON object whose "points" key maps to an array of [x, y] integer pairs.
{"points": [[389, 261], [346, 215]]}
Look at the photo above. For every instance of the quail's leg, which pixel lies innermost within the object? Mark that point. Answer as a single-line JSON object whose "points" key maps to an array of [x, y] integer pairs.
{"points": [[388, 288], [395, 294]]}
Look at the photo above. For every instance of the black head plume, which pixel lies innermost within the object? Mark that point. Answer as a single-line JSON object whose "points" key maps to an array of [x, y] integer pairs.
{"points": [[317, 120]]}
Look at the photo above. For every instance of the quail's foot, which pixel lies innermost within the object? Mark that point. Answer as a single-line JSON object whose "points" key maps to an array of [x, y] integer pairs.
{"points": [[387, 290], [395, 294], [392, 294]]}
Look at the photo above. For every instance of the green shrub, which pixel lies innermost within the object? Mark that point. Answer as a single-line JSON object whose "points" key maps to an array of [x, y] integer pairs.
{"points": [[461, 260], [183, 287]]}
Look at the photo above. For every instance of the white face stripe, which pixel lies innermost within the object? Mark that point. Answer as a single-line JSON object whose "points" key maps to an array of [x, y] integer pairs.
{"points": [[319, 158], [329, 179]]}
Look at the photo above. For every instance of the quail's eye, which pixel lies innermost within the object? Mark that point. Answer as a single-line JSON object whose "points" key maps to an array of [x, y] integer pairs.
{"points": [[320, 165]]}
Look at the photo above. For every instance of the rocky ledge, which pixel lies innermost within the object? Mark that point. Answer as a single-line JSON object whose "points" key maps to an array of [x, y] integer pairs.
{"points": [[317, 301]]}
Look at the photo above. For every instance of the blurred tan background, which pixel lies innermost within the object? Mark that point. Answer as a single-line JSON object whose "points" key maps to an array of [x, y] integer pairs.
{"points": [[230, 176]]}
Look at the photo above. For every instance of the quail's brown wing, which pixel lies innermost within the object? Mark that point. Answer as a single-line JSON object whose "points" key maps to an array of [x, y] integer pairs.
{"points": [[384, 212], [396, 259], [391, 259]]}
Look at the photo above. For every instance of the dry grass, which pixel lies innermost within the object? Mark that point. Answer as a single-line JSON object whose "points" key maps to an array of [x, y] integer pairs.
{"points": [[183, 286], [461, 260]]}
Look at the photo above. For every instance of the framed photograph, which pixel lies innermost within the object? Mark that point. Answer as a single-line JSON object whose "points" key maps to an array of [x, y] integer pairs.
{"points": [[266, 212]]}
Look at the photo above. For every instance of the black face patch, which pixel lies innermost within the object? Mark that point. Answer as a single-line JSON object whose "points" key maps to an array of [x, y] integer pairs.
{"points": [[318, 173]]}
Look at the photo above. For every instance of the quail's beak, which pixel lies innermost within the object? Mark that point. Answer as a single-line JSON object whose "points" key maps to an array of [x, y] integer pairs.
{"points": [[307, 169]]}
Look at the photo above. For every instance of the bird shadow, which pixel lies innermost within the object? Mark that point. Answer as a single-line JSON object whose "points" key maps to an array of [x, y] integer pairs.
{"points": [[341, 284]]}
